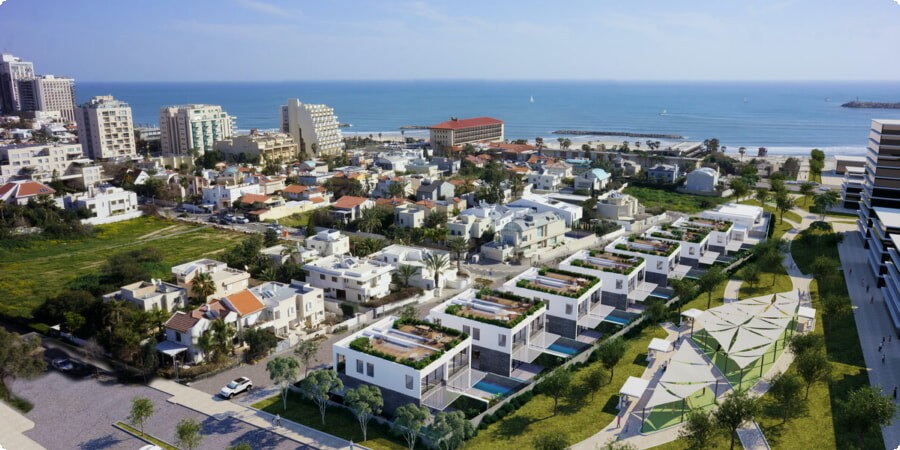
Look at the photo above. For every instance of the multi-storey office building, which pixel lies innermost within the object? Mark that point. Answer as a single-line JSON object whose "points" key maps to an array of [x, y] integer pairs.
{"points": [[12, 70], [105, 128], [315, 128], [187, 127], [623, 277], [573, 299]]}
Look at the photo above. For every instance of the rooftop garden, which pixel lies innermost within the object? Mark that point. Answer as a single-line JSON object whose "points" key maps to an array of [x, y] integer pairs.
{"points": [[618, 264], [718, 225], [690, 234], [660, 248], [573, 285], [520, 306], [439, 344]]}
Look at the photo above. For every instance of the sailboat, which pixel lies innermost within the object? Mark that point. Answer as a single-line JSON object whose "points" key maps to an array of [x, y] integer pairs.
{"points": [[531, 99], [663, 112]]}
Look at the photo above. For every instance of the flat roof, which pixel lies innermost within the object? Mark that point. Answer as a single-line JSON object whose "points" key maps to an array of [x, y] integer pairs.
{"points": [[604, 259], [739, 209], [557, 282], [890, 217], [408, 342], [493, 305]]}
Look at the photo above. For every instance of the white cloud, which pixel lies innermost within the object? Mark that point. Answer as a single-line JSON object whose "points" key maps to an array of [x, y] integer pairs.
{"points": [[268, 8]]}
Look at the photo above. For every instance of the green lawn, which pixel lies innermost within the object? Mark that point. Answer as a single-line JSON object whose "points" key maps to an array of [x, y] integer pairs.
{"points": [[673, 201], [338, 422], [580, 416], [820, 424], [670, 414], [740, 379], [44, 267], [295, 221]]}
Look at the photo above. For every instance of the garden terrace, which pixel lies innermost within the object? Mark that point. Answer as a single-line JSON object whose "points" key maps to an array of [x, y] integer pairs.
{"points": [[609, 262], [559, 282], [410, 342], [495, 308], [718, 225], [683, 233], [658, 248]]}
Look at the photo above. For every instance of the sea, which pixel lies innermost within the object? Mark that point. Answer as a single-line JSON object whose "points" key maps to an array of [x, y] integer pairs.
{"points": [[787, 118]]}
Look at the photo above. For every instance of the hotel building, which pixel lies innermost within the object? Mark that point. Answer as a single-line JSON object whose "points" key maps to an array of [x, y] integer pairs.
{"points": [[267, 147], [466, 131], [49, 93], [186, 127], [105, 128], [315, 128], [12, 70]]}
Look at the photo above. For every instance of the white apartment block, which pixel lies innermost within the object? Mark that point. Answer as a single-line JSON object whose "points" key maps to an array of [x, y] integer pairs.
{"points": [[226, 279], [349, 278], [506, 330], [265, 146], [526, 236], [49, 93], [12, 70], [476, 220], [573, 299], [329, 242], [623, 277], [541, 203], [105, 128], [107, 204], [315, 128], [151, 295], [187, 127], [224, 196], [403, 255], [289, 306], [410, 361], [662, 257], [42, 162]]}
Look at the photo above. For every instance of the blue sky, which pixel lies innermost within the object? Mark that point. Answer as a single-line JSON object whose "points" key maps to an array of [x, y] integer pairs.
{"points": [[242, 40]]}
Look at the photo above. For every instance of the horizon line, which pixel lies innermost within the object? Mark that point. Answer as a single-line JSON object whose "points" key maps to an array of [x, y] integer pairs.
{"points": [[510, 80]]}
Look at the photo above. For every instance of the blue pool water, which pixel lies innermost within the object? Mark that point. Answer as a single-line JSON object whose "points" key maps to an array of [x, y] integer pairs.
{"points": [[492, 388], [617, 320], [495, 384], [562, 349], [660, 295]]}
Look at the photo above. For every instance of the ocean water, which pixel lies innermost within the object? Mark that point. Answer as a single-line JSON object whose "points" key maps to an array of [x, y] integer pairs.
{"points": [[787, 117]]}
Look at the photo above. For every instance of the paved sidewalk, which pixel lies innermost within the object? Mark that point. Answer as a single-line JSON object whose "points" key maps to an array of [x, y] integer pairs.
{"points": [[872, 324], [221, 409], [732, 291], [12, 430]]}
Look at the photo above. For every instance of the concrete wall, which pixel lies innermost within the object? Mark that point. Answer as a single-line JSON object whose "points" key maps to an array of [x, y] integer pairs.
{"points": [[492, 361], [563, 327], [619, 301]]}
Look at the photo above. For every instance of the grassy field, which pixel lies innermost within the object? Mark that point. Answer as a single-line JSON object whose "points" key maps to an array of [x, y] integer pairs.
{"points": [[295, 221], [580, 416], [338, 422], [43, 268], [673, 201], [819, 423]]}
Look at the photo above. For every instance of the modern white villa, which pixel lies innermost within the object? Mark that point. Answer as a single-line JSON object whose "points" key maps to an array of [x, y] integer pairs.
{"points": [[226, 279], [750, 221], [403, 255], [623, 276], [506, 330], [662, 257], [573, 299], [329, 242], [150, 295], [721, 236], [411, 361], [694, 242], [350, 278]]}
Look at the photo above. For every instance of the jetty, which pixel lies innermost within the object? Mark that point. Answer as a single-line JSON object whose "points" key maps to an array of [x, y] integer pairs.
{"points": [[414, 127], [619, 133], [872, 105]]}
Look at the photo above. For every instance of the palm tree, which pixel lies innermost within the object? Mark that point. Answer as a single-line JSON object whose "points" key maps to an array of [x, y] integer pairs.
{"points": [[405, 272], [369, 222], [397, 189], [459, 245], [436, 263], [203, 286], [222, 337], [516, 184], [742, 151], [268, 274], [206, 344]]}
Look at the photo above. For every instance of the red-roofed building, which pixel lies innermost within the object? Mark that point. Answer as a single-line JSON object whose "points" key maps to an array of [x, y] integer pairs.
{"points": [[349, 208], [466, 131], [19, 192]]}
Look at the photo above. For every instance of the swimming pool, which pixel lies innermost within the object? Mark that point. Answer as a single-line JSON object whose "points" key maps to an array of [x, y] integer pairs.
{"points": [[620, 317], [498, 385], [567, 346], [661, 295], [562, 349]]}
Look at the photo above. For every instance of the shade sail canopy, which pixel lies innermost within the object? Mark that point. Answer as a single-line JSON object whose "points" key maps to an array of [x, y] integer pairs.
{"points": [[807, 312], [634, 387], [687, 373], [692, 313], [659, 345]]}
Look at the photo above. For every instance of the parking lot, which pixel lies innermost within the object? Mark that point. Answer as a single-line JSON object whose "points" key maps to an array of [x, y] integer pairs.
{"points": [[79, 411]]}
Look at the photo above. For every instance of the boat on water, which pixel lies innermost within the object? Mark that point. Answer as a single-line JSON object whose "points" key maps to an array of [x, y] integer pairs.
{"points": [[531, 99], [663, 112]]}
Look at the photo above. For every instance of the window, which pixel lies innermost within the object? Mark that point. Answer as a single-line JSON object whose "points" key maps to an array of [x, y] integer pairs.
{"points": [[501, 341], [659, 265], [370, 369], [692, 251], [409, 382], [177, 336], [334, 279], [321, 276], [467, 330], [359, 366], [568, 309], [476, 334], [619, 284]]}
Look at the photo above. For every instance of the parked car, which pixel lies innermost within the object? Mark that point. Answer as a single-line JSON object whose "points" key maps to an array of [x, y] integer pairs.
{"points": [[238, 385], [213, 218], [241, 220], [63, 364]]}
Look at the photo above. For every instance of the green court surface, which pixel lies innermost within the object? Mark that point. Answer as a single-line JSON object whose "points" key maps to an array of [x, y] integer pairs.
{"points": [[669, 414], [742, 379]]}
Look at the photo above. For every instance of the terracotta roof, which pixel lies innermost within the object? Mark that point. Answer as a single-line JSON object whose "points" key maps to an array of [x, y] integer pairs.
{"points": [[253, 198], [182, 322], [517, 169], [349, 202], [317, 199], [245, 302], [514, 148], [244, 169], [25, 189], [257, 212], [391, 201], [466, 123], [427, 203], [295, 189], [457, 182]]}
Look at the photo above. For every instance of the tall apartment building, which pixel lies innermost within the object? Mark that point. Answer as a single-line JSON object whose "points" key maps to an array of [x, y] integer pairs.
{"points": [[12, 69], [186, 127], [880, 197], [466, 131], [265, 146], [105, 128], [43, 162], [315, 128], [48, 93]]}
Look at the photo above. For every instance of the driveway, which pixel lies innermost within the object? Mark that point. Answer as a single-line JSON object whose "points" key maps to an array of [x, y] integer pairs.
{"points": [[79, 413]]}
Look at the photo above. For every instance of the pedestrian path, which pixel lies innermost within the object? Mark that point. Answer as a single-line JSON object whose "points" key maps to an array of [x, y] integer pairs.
{"points": [[13, 426], [732, 291], [221, 409]]}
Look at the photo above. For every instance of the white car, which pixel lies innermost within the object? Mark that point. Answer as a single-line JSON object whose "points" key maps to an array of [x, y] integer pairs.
{"points": [[242, 384]]}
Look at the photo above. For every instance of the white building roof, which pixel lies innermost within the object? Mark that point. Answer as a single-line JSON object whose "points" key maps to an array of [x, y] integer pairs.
{"points": [[687, 373], [659, 345], [890, 217]]}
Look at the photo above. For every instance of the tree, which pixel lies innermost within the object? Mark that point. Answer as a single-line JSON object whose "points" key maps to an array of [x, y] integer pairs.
{"points": [[825, 201], [708, 282], [317, 386], [835, 306], [609, 353], [436, 263], [823, 268], [243, 445], [93, 350], [307, 351], [222, 337], [556, 385], [260, 342], [805, 343], [742, 151], [202, 286], [806, 190], [550, 441], [682, 288], [751, 274], [735, 410], [594, 379], [613, 444], [698, 429], [516, 185], [785, 389], [397, 189], [409, 420], [405, 272], [365, 402], [283, 371], [459, 246], [783, 202], [866, 410], [19, 358], [450, 430], [141, 411], [813, 367], [762, 196], [739, 188], [188, 434], [370, 221]]}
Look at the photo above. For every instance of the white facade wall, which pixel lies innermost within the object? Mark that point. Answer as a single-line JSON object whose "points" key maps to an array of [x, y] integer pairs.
{"points": [[311, 124], [39, 162], [612, 282], [184, 128], [329, 242], [655, 263], [105, 128], [557, 305], [224, 196]]}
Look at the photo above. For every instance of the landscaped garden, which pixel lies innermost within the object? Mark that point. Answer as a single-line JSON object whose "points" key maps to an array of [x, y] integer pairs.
{"points": [[673, 201]]}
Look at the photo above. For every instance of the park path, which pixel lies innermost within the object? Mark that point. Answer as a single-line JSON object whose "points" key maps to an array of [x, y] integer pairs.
{"points": [[732, 291], [13, 426]]}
